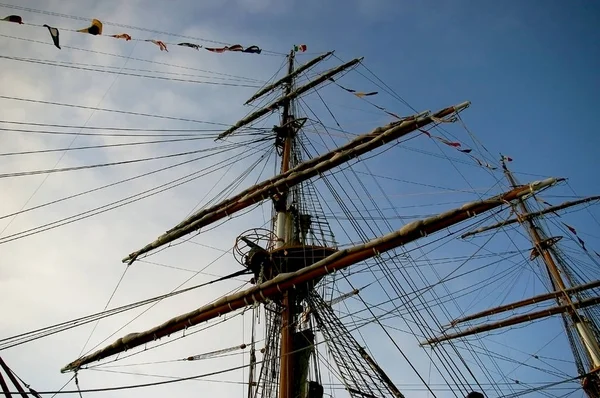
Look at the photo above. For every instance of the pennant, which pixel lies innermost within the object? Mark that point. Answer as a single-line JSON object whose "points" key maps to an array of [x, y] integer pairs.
{"points": [[216, 50], [445, 141], [300, 48], [54, 34], [122, 36], [597, 254], [190, 45], [13, 18], [506, 159], [573, 231], [582, 243], [449, 143], [361, 94], [160, 44], [253, 50], [236, 47], [94, 29], [484, 164]]}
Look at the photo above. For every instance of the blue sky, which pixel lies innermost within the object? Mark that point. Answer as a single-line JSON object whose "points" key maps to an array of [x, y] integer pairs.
{"points": [[529, 68]]}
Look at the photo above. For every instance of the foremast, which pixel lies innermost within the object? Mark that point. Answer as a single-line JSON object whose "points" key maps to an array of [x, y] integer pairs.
{"points": [[591, 383], [563, 293]]}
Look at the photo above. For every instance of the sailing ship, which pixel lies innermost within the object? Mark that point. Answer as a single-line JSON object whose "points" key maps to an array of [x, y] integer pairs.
{"points": [[313, 300]]}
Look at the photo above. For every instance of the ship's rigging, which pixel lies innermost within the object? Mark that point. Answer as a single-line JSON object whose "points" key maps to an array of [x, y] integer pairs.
{"points": [[294, 260], [287, 270]]}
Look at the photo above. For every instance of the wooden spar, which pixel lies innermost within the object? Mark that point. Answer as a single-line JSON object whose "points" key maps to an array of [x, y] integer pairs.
{"points": [[585, 333], [529, 301], [516, 320], [339, 260], [286, 98], [304, 171], [288, 77], [530, 216], [286, 368]]}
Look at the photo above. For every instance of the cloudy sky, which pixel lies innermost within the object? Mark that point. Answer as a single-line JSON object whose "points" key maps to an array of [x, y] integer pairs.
{"points": [[530, 72]]}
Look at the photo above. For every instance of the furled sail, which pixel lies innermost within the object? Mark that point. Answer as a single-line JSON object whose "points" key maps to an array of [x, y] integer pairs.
{"points": [[337, 261], [304, 171]]}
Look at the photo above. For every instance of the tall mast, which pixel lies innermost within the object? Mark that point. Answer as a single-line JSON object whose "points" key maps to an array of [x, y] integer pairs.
{"points": [[286, 133], [589, 341]]}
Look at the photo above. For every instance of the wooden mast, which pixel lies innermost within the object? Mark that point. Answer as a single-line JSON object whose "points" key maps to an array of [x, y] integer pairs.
{"points": [[286, 133], [562, 293], [590, 343]]}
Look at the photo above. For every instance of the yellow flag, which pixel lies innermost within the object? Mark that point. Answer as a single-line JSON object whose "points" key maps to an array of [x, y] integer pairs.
{"points": [[94, 29]]}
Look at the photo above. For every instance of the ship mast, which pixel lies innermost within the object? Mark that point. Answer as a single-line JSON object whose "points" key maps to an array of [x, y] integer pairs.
{"points": [[286, 133], [566, 295], [287, 271], [555, 268]]}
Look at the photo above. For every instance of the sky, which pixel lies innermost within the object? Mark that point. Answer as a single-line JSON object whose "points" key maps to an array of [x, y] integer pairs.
{"points": [[530, 72]]}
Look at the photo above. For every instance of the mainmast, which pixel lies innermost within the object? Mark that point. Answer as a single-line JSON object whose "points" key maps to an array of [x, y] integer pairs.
{"points": [[285, 133]]}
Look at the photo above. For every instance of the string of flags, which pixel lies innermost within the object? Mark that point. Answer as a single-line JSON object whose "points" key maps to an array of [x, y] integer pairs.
{"points": [[570, 228], [458, 146], [454, 144], [362, 95], [96, 29], [581, 241]]}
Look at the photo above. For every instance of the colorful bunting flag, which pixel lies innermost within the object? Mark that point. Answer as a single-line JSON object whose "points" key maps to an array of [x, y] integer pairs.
{"points": [[359, 94], [573, 231], [445, 141], [235, 47], [253, 50], [449, 143], [13, 18], [54, 35], [484, 164], [506, 158], [190, 45], [94, 29], [582, 243], [121, 36], [457, 145], [160, 44]]}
